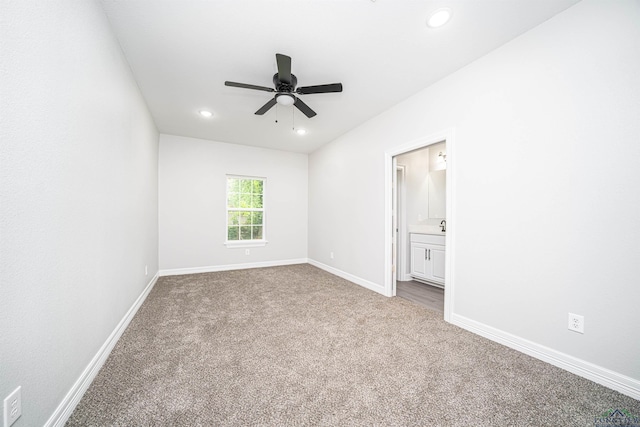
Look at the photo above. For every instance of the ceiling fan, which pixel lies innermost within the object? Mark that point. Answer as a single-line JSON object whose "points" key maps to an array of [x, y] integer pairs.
{"points": [[285, 88]]}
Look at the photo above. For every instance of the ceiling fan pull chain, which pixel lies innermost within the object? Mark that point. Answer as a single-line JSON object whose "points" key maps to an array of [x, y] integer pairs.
{"points": [[276, 113], [293, 119]]}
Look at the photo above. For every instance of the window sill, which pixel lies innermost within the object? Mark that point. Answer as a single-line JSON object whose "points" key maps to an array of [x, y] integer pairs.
{"points": [[245, 243]]}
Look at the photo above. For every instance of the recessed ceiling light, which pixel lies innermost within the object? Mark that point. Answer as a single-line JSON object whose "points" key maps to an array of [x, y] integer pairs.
{"points": [[205, 113], [439, 17], [301, 131]]}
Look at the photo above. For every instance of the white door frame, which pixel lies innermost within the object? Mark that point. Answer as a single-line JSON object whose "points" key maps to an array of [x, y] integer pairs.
{"points": [[447, 136], [401, 218], [399, 228]]}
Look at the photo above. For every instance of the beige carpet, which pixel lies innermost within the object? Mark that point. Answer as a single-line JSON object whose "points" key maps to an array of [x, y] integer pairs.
{"points": [[296, 346]]}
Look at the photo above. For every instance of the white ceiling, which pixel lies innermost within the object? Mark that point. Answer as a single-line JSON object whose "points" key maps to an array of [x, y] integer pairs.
{"points": [[182, 51]]}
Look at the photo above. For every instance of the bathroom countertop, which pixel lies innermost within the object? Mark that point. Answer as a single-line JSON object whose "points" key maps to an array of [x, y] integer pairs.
{"points": [[426, 229]]}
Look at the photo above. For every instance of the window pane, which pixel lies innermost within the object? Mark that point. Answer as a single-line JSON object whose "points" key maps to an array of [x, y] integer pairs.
{"points": [[256, 218], [245, 233], [232, 233], [244, 218], [233, 218], [232, 200], [257, 232], [245, 201], [245, 186], [233, 185], [257, 201], [257, 186]]}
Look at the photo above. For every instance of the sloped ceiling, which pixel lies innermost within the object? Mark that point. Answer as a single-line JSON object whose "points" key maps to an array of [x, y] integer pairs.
{"points": [[182, 51]]}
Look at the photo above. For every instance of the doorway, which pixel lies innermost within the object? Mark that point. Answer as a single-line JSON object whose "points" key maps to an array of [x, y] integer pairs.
{"points": [[398, 226], [419, 208]]}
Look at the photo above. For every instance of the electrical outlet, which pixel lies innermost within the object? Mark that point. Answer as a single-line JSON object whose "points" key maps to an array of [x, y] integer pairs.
{"points": [[146, 270], [331, 255], [247, 251], [576, 323], [12, 407]]}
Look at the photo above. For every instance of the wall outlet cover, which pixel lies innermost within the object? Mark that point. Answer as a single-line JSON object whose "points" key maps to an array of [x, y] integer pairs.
{"points": [[12, 407], [576, 323]]}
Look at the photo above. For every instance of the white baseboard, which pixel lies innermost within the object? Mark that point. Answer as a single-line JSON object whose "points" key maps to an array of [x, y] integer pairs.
{"points": [[213, 268], [350, 277], [613, 380], [71, 400]]}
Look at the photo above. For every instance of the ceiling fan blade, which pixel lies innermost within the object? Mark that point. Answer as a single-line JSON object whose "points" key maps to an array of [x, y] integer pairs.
{"points": [[304, 108], [246, 86], [284, 68], [333, 87], [266, 107]]}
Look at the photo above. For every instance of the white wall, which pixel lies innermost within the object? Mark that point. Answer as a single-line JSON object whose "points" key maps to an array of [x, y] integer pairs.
{"points": [[546, 220], [192, 180], [78, 191]]}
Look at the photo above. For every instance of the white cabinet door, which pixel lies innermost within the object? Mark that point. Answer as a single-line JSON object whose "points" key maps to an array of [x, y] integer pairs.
{"points": [[427, 262], [436, 255], [418, 260], [427, 257]]}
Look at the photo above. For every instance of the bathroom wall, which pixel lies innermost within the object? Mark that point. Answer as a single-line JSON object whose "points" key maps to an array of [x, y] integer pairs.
{"points": [[418, 164], [437, 162]]}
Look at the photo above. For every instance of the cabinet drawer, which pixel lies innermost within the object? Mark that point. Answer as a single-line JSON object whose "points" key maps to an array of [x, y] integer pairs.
{"points": [[428, 238]]}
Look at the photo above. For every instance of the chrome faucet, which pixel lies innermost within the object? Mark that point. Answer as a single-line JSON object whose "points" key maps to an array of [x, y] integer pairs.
{"points": [[443, 224]]}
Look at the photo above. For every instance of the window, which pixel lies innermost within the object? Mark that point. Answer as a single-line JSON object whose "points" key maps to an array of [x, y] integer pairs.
{"points": [[245, 209]]}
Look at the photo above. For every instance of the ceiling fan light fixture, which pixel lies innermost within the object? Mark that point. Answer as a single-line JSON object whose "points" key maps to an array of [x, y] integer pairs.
{"points": [[285, 99], [439, 17]]}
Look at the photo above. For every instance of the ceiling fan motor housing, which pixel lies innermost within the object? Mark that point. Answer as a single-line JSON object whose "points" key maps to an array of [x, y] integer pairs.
{"points": [[284, 86]]}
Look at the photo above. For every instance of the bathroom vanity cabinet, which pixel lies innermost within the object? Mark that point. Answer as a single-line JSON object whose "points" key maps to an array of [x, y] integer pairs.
{"points": [[427, 258]]}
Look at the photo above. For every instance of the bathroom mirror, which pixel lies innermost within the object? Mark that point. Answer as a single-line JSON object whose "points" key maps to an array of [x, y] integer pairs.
{"points": [[437, 194]]}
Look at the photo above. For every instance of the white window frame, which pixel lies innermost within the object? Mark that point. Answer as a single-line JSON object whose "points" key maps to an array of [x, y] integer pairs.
{"points": [[246, 243]]}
